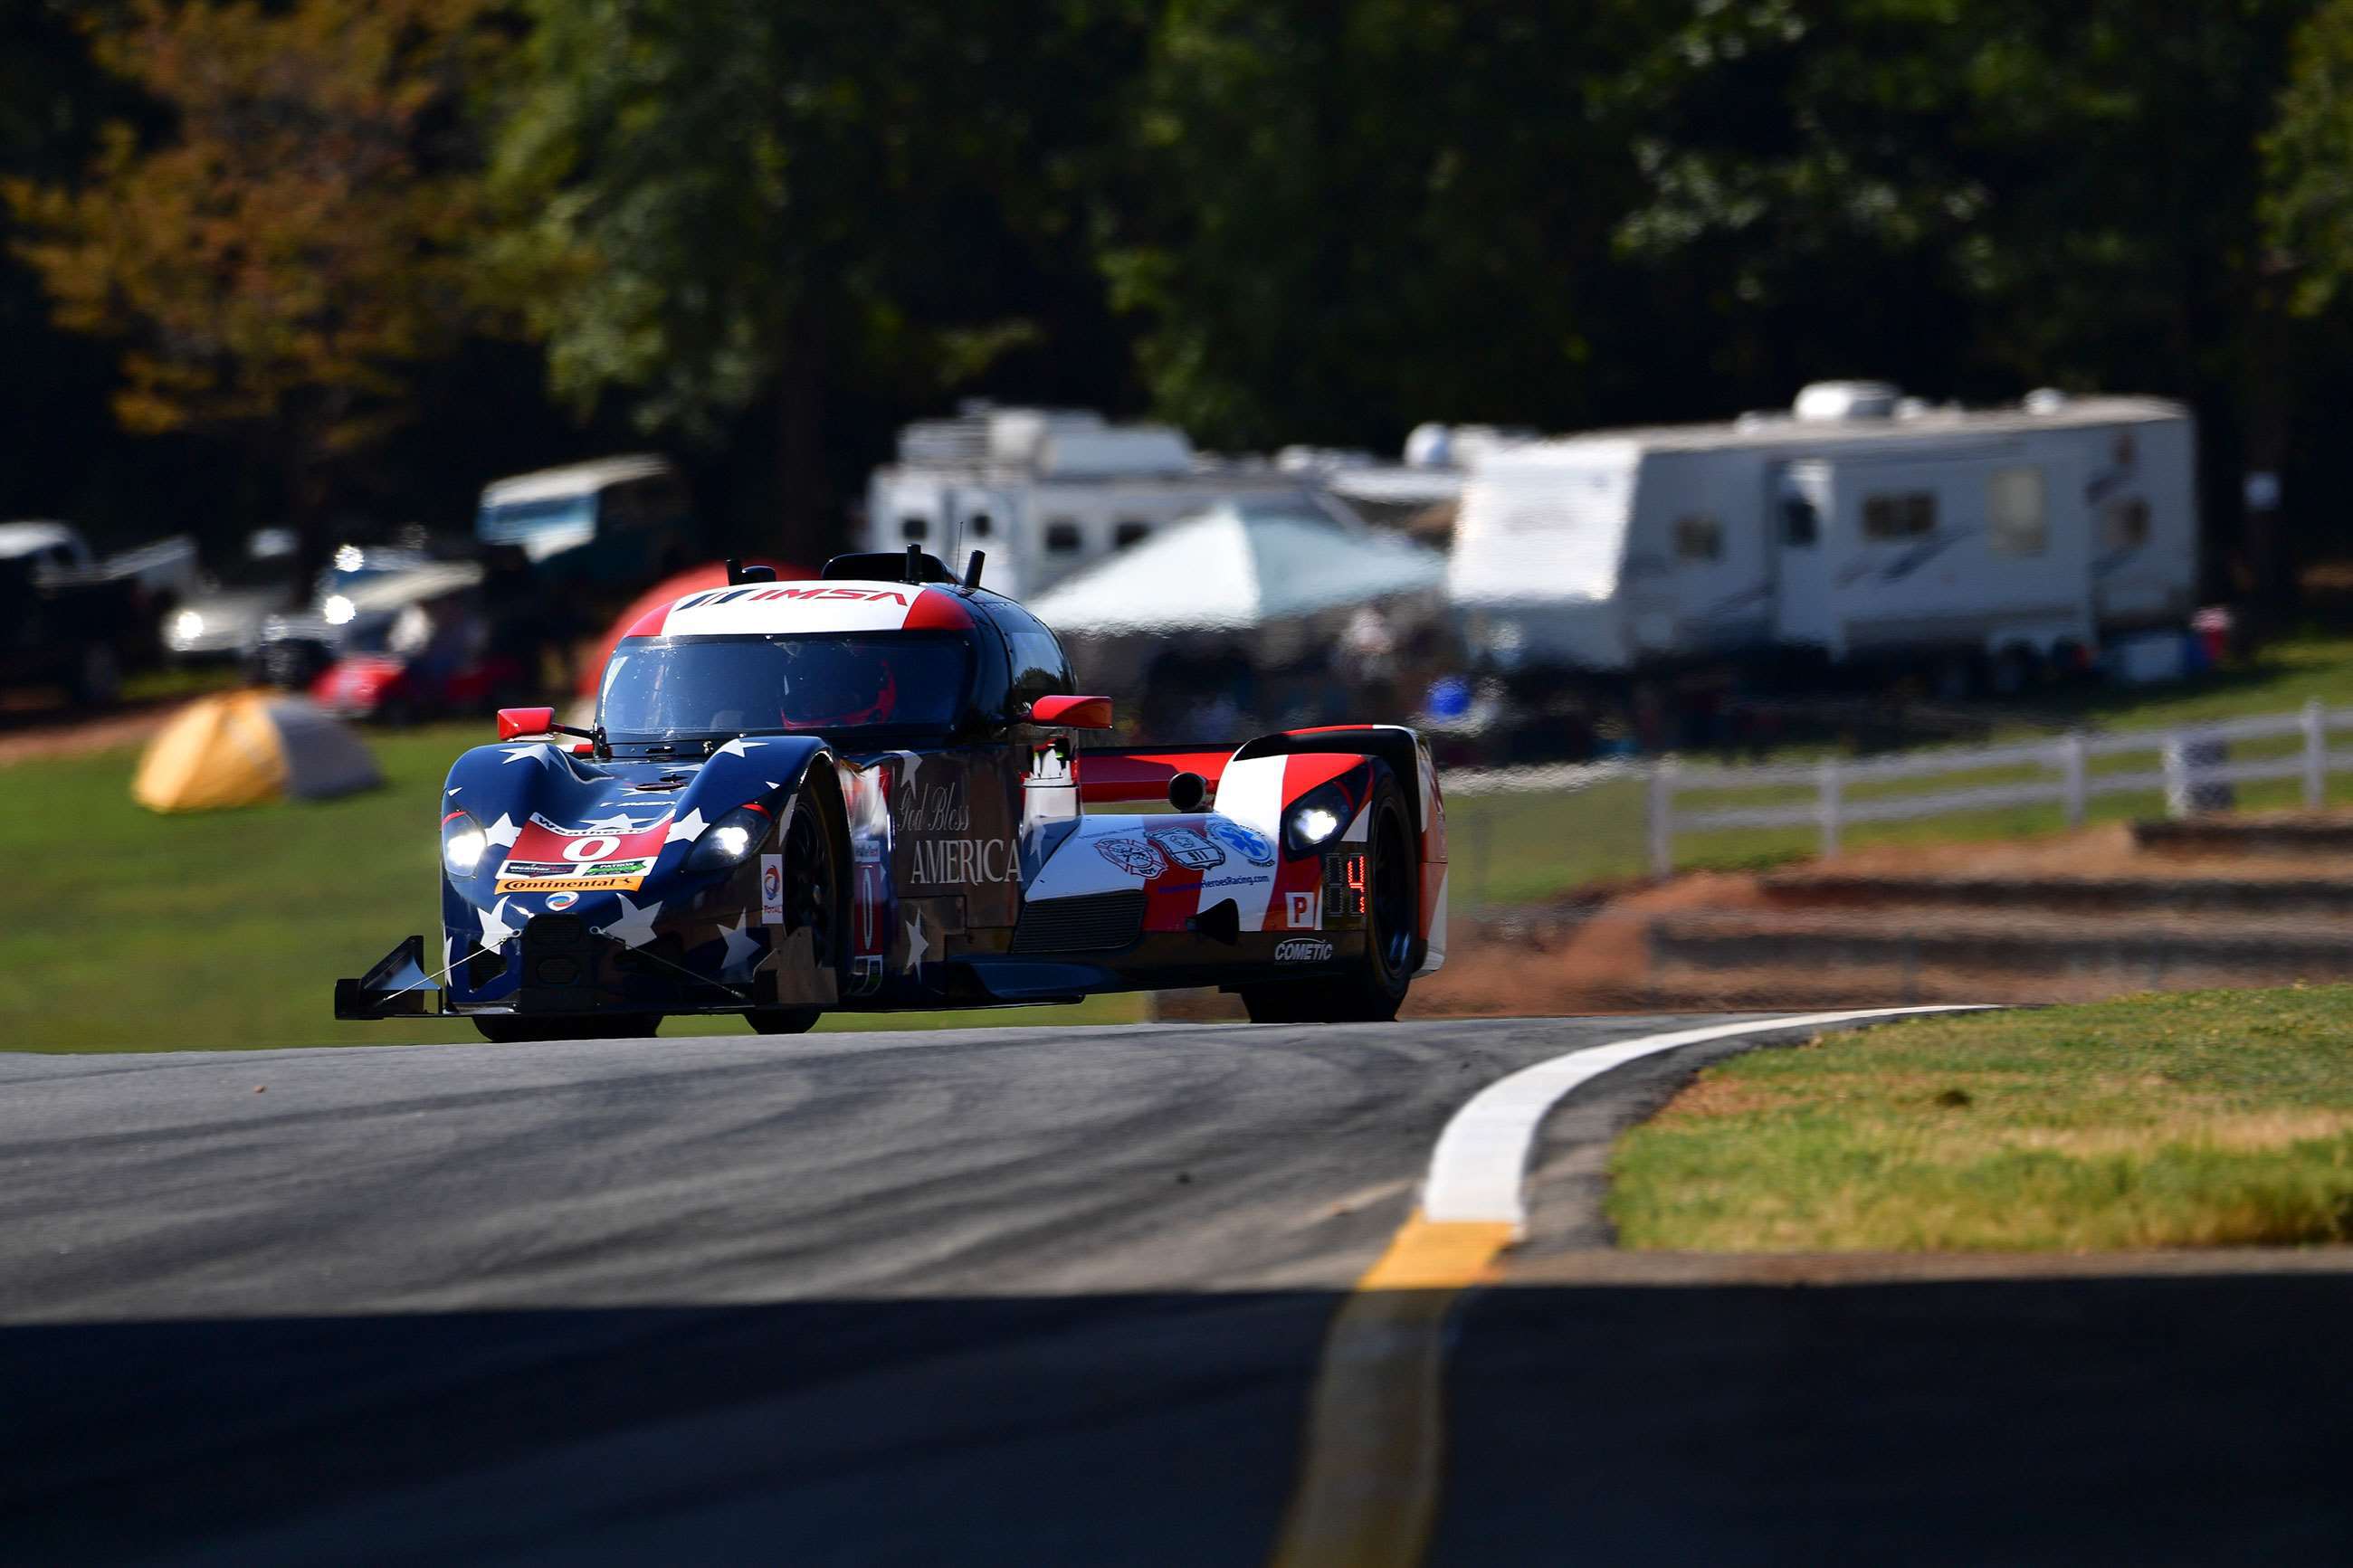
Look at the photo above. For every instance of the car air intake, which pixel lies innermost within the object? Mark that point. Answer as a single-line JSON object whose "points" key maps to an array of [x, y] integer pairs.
{"points": [[559, 968], [1099, 922]]}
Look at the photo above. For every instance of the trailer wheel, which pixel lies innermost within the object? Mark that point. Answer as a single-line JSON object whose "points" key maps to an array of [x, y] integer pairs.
{"points": [[1374, 991]]}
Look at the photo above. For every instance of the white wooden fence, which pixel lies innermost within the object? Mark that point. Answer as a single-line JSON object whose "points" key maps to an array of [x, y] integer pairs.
{"points": [[2188, 761]]}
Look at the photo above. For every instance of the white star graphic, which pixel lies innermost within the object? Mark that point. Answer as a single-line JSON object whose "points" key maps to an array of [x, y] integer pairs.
{"points": [[917, 944], [496, 932], [537, 748], [743, 947], [504, 832], [618, 822], [635, 926], [689, 827], [450, 792], [737, 747]]}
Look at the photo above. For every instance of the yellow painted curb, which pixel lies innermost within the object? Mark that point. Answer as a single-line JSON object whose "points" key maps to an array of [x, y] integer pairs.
{"points": [[1368, 1481]]}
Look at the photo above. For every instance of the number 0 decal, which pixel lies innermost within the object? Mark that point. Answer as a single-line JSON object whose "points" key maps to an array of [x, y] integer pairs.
{"points": [[595, 848]]}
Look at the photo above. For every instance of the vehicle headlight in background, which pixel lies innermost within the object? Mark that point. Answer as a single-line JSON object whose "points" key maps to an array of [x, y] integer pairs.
{"points": [[187, 625], [463, 843], [731, 839], [1317, 819], [338, 610]]}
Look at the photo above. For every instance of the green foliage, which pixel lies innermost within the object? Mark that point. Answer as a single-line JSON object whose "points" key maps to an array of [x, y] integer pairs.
{"points": [[707, 197]]}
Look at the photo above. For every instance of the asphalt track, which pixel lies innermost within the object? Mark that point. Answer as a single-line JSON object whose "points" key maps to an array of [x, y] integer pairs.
{"points": [[1026, 1295]]}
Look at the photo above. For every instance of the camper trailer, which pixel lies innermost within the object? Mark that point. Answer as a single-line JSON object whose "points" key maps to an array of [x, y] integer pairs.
{"points": [[1862, 526], [1045, 491]]}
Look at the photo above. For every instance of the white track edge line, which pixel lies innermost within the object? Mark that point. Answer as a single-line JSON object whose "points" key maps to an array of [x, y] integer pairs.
{"points": [[1478, 1170]]}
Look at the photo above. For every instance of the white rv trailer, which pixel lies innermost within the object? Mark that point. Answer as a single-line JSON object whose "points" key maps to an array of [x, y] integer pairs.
{"points": [[1862, 525], [1045, 491]]}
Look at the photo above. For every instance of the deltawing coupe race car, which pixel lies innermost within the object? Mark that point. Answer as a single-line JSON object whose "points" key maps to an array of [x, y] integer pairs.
{"points": [[865, 793]]}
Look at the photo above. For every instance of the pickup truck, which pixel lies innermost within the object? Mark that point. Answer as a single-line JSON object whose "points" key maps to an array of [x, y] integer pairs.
{"points": [[71, 620]]}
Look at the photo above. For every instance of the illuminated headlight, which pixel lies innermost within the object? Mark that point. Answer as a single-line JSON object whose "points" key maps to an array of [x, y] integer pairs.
{"points": [[728, 841], [338, 610], [187, 625], [1317, 819], [463, 843]]}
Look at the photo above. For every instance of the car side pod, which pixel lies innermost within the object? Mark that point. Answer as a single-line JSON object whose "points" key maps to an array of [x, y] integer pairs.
{"points": [[398, 987]]}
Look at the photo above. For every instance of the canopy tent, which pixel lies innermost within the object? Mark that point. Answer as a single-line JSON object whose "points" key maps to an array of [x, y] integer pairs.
{"points": [[1238, 569], [711, 574], [246, 747]]}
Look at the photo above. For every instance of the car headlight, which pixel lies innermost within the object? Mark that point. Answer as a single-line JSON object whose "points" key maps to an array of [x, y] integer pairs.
{"points": [[729, 841], [338, 610], [187, 625], [463, 843], [1317, 818]]}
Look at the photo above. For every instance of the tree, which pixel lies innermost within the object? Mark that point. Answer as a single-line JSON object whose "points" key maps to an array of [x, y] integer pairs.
{"points": [[1346, 218], [290, 240], [714, 206]]}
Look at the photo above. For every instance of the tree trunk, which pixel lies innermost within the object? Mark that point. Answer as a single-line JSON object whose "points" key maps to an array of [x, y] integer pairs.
{"points": [[806, 532]]}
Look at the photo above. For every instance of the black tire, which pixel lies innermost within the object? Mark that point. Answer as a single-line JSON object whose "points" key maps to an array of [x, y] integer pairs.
{"points": [[98, 677], [816, 899], [508, 1029], [1375, 987]]}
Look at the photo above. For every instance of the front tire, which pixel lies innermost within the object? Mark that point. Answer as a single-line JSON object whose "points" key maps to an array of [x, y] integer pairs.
{"points": [[512, 1029], [1373, 989], [816, 901], [782, 1020]]}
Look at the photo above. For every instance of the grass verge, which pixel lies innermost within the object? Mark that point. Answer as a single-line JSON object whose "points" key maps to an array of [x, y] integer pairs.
{"points": [[128, 931], [2200, 1120]]}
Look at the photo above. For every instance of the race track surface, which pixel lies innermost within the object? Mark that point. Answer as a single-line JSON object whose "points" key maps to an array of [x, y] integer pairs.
{"points": [[1019, 1295]]}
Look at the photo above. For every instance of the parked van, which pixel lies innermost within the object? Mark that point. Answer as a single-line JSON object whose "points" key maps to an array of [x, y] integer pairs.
{"points": [[614, 521], [1862, 525]]}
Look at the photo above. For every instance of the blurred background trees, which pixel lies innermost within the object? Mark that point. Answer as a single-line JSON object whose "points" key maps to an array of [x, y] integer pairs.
{"points": [[357, 257]]}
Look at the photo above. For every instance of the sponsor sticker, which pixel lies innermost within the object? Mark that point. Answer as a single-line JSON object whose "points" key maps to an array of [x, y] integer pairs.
{"points": [[772, 890], [1247, 842], [961, 862], [1302, 950], [561, 901], [1136, 856], [1299, 911], [1187, 848], [579, 876]]}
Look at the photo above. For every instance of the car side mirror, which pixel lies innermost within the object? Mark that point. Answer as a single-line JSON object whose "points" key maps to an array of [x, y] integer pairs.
{"points": [[513, 721], [1073, 712]]}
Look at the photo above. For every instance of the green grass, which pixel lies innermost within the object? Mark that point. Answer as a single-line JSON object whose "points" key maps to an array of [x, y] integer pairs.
{"points": [[2199, 1120], [1509, 849], [126, 931]]}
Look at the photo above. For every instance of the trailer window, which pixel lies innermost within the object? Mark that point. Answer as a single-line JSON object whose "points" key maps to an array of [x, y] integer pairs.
{"points": [[1061, 536], [913, 528], [1130, 532], [2014, 512], [1800, 523], [2124, 523], [1699, 537], [980, 525], [1909, 515]]}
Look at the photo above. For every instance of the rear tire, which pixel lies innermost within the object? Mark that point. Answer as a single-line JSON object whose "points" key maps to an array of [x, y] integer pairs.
{"points": [[1374, 988]]}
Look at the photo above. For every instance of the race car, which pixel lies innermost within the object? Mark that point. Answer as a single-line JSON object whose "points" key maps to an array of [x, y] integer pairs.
{"points": [[868, 792]]}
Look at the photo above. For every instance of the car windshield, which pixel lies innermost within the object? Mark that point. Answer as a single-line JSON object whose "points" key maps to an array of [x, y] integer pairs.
{"points": [[693, 687]]}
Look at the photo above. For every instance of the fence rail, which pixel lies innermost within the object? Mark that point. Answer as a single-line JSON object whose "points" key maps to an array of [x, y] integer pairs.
{"points": [[2192, 764]]}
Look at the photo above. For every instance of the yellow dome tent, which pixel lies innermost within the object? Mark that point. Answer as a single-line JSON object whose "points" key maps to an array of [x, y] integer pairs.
{"points": [[246, 747]]}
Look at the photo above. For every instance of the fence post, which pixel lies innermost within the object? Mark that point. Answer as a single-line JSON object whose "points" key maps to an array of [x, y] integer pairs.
{"points": [[2316, 755], [2070, 778], [1660, 817], [1828, 806], [2176, 756]]}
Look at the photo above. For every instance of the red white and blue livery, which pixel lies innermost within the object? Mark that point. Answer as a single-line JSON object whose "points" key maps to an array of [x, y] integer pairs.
{"points": [[867, 793]]}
